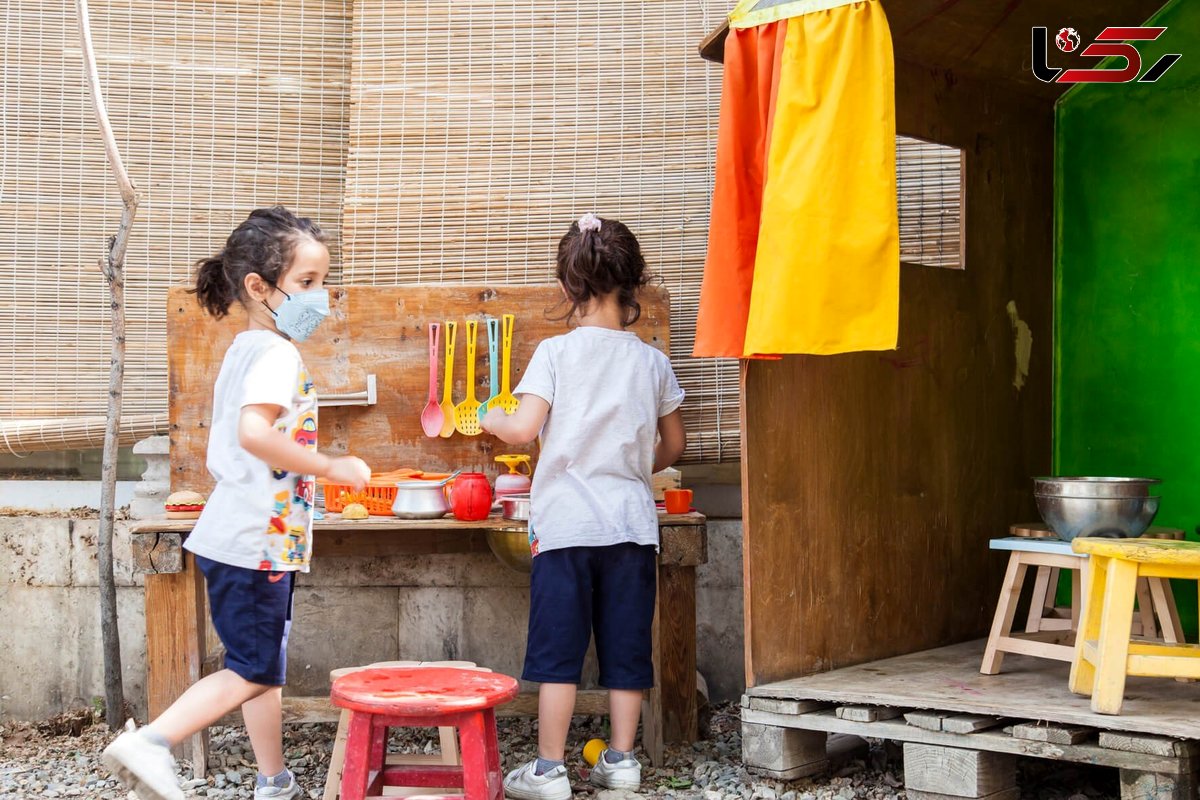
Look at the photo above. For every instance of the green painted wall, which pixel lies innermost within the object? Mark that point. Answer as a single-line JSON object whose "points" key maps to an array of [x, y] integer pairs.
{"points": [[1127, 279]]}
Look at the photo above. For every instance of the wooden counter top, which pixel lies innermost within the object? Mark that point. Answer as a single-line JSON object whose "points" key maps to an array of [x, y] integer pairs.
{"points": [[158, 543], [334, 522]]}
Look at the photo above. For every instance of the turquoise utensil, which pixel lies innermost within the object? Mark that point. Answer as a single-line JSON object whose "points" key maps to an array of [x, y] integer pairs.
{"points": [[493, 329]]}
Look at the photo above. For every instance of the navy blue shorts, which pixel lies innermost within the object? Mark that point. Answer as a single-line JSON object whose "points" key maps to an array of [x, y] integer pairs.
{"points": [[575, 591], [252, 612]]}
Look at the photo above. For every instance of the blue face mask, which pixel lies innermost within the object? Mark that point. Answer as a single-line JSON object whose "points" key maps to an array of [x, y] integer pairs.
{"points": [[300, 314]]}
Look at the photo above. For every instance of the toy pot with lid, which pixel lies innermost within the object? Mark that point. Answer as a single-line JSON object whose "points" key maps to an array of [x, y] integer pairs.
{"points": [[471, 497], [517, 479]]}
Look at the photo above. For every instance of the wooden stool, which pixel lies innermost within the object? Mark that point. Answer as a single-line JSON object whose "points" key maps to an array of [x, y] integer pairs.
{"points": [[1048, 628], [448, 740], [1104, 654], [422, 697]]}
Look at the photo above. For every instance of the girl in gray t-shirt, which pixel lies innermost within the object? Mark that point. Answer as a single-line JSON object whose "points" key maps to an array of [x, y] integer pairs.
{"points": [[607, 408]]}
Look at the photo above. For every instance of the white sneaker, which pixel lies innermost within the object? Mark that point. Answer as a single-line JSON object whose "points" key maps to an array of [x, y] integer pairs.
{"points": [[625, 774], [523, 784], [144, 766], [288, 791]]}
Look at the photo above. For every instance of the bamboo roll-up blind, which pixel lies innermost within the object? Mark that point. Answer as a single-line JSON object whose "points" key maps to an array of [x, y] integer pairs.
{"points": [[929, 181], [75, 433], [218, 107], [479, 129]]}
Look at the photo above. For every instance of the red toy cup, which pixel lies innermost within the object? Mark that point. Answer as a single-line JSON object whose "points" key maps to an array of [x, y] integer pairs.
{"points": [[678, 501]]}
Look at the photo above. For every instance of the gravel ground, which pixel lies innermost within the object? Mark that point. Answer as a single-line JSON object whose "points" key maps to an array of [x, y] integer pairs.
{"points": [[60, 758]]}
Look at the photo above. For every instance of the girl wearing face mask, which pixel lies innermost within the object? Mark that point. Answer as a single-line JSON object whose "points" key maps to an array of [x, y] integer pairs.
{"points": [[254, 534]]}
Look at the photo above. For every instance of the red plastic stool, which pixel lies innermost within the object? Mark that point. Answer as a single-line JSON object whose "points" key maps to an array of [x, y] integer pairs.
{"points": [[422, 697]]}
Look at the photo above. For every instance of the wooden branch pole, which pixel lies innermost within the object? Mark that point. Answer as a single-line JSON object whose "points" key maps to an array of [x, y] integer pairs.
{"points": [[113, 269]]}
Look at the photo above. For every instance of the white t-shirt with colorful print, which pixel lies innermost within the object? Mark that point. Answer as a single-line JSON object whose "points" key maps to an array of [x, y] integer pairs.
{"points": [[258, 517]]}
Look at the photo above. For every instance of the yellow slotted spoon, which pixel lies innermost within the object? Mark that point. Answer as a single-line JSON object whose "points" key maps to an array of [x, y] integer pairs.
{"points": [[506, 399], [466, 413], [447, 431]]}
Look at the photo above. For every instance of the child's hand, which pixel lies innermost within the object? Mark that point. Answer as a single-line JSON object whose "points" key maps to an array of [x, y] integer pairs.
{"points": [[492, 418], [349, 470]]}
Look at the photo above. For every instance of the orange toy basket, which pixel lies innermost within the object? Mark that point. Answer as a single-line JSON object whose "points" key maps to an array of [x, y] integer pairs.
{"points": [[377, 496]]}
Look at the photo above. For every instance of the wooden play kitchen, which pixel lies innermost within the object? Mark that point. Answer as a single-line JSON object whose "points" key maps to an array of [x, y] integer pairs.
{"points": [[385, 333]]}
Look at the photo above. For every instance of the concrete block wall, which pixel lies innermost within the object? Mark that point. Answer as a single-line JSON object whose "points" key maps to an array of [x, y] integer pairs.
{"points": [[50, 643], [348, 611]]}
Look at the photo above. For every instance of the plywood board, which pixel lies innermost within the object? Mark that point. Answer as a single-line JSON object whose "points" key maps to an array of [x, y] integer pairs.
{"points": [[874, 481], [380, 330], [948, 679]]}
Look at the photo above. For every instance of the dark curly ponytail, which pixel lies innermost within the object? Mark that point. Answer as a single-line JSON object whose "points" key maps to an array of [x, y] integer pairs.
{"points": [[263, 244], [601, 258]]}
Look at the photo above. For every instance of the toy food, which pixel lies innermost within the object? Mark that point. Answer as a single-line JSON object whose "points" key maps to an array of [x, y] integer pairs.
{"points": [[355, 511], [184, 505]]}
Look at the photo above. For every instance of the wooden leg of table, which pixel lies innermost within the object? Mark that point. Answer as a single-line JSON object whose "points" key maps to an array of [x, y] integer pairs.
{"points": [[1052, 593], [1163, 600], [1037, 603], [1077, 582], [449, 741], [1116, 618], [1143, 623], [333, 779], [1083, 672], [652, 711], [1006, 609], [676, 645], [175, 646], [669, 711]]}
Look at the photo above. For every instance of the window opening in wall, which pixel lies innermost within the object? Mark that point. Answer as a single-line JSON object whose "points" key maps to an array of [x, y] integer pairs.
{"points": [[929, 181]]}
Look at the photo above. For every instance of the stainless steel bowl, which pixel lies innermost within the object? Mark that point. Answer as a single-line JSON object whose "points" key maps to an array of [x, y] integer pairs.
{"points": [[420, 500], [1095, 487], [515, 507], [511, 546], [1112, 517]]}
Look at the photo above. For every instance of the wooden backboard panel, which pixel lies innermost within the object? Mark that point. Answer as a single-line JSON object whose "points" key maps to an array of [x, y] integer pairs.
{"points": [[380, 330], [873, 481]]}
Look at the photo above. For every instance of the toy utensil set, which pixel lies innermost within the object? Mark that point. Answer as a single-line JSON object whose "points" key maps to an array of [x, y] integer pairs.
{"points": [[444, 418]]}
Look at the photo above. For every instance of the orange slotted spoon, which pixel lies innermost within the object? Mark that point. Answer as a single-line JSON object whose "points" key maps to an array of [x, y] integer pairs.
{"points": [[447, 405], [466, 413], [506, 399]]}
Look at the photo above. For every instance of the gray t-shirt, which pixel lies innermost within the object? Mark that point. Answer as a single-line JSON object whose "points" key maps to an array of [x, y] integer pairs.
{"points": [[607, 390]]}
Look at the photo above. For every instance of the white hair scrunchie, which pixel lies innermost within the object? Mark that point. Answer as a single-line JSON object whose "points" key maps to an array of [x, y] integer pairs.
{"points": [[589, 222]]}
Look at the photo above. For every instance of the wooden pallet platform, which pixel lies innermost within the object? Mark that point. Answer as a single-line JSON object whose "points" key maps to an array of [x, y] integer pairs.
{"points": [[962, 731]]}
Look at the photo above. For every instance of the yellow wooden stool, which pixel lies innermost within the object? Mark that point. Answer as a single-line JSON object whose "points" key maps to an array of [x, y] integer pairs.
{"points": [[449, 742], [1104, 652]]}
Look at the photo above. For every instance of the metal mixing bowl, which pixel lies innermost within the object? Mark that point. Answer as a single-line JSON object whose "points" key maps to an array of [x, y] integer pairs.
{"points": [[1095, 487], [511, 546], [515, 507], [1113, 517]]}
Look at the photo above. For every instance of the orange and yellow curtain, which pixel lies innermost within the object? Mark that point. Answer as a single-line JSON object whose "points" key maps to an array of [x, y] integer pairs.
{"points": [[804, 245]]}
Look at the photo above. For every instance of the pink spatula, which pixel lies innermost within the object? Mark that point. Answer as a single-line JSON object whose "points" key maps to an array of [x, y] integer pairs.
{"points": [[432, 416]]}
